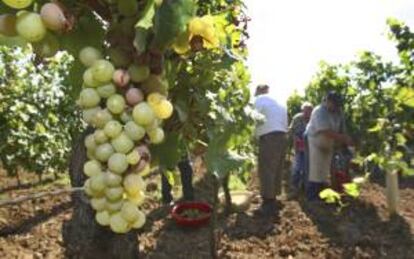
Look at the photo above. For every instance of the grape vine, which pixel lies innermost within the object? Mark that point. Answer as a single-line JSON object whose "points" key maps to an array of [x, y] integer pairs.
{"points": [[154, 79]]}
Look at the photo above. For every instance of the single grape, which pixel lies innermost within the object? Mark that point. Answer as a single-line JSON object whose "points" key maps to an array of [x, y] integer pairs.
{"points": [[89, 80], [112, 180], [8, 25], [18, 4], [98, 204], [114, 206], [104, 152], [163, 110], [156, 136], [88, 115], [133, 184], [97, 183], [134, 131], [130, 212], [113, 128], [102, 70], [122, 143], [118, 163], [137, 198], [116, 104], [143, 114], [114, 194], [88, 56], [118, 224], [100, 136], [89, 98], [92, 168], [154, 99], [134, 96], [53, 17], [121, 78], [140, 222], [90, 142], [103, 218], [101, 118], [106, 91], [30, 26], [133, 157]]}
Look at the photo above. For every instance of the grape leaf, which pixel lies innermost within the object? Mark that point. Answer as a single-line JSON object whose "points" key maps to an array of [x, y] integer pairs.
{"points": [[169, 152], [146, 21], [142, 27], [351, 189], [171, 20], [329, 196], [219, 160], [406, 96]]}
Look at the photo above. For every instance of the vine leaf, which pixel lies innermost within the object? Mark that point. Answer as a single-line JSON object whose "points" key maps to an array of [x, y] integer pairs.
{"points": [[219, 160], [171, 20], [169, 152], [330, 196], [406, 96], [352, 189], [143, 26]]}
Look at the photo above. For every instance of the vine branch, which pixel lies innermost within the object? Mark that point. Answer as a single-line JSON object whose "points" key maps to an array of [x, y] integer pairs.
{"points": [[35, 196]]}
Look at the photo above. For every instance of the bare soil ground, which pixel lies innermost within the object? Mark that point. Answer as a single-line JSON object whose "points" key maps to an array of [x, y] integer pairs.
{"points": [[363, 229]]}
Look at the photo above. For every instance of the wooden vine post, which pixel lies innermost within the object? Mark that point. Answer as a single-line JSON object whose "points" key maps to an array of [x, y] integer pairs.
{"points": [[392, 191]]}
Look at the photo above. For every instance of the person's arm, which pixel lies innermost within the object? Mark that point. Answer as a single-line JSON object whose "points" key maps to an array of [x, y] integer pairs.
{"points": [[324, 129], [340, 137]]}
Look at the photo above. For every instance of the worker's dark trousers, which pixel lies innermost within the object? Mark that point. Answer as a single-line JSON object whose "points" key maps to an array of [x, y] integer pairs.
{"points": [[186, 173]]}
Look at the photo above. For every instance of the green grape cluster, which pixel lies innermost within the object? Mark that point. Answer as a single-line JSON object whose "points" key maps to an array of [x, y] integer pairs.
{"points": [[125, 123], [40, 29]]}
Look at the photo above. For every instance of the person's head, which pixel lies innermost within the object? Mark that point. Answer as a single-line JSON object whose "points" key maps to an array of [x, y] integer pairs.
{"points": [[307, 108], [333, 101], [262, 89]]}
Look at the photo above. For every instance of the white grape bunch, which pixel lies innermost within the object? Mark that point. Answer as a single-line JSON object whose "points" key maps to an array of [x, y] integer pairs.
{"points": [[41, 29], [125, 122]]}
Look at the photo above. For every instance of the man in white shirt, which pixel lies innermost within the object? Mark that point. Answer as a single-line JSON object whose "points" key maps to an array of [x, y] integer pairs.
{"points": [[272, 148]]}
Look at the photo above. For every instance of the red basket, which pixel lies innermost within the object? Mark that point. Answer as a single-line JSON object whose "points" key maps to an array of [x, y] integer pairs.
{"points": [[189, 222]]}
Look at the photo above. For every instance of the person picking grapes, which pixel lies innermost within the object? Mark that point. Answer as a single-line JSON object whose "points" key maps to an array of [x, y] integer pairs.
{"points": [[326, 128], [297, 129], [272, 147]]}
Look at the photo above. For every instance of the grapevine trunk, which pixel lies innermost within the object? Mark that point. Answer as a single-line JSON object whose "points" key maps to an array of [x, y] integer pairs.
{"points": [[82, 236]]}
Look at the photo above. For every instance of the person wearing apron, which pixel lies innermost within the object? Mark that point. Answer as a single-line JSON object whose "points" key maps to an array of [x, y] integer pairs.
{"points": [[325, 129]]}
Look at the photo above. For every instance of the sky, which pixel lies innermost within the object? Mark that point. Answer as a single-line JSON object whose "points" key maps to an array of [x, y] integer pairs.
{"points": [[288, 38]]}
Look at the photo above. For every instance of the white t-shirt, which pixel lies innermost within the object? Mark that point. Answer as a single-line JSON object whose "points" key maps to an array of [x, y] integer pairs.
{"points": [[276, 118]]}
